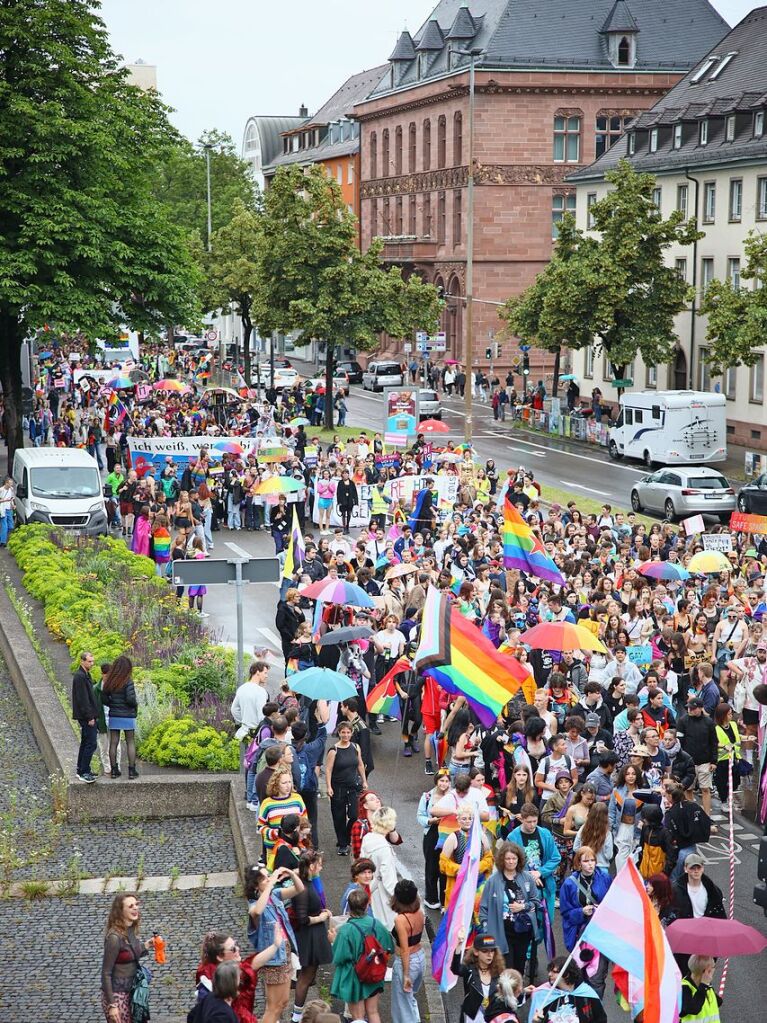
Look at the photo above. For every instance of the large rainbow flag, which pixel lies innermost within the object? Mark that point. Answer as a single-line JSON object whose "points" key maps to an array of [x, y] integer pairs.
{"points": [[458, 916], [626, 929], [523, 550], [383, 697], [464, 662]]}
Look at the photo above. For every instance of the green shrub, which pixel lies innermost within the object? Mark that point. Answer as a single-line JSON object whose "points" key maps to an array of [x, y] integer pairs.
{"points": [[182, 742]]}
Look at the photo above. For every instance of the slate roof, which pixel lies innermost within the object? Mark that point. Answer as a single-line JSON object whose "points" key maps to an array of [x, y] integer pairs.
{"points": [[464, 26], [740, 88], [565, 34], [270, 133], [404, 50]]}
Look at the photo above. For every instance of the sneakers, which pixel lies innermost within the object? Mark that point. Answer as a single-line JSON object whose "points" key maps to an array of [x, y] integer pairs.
{"points": [[252, 806], [428, 768], [203, 614], [415, 747], [344, 850], [88, 778], [380, 719], [432, 905], [407, 751]]}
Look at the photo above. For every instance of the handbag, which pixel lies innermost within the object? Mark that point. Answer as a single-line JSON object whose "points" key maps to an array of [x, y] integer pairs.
{"points": [[521, 923], [139, 992]]}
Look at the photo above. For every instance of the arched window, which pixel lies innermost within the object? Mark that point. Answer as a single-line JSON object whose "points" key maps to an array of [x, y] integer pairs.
{"points": [[458, 138], [411, 147], [442, 141], [373, 155], [398, 150], [427, 144], [385, 153], [624, 52]]}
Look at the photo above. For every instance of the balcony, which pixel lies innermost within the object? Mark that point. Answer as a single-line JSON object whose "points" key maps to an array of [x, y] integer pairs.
{"points": [[408, 249]]}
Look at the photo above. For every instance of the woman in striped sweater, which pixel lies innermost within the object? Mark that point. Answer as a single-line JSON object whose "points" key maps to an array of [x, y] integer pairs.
{"points": [[280, 801]]}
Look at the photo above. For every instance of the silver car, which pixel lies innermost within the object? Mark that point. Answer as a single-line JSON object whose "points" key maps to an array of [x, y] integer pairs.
{"points": [[684, 490], [428, 404]]}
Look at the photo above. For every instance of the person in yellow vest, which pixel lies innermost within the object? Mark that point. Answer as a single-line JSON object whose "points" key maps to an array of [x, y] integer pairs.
{"points": [[728, 742], [700, 1003], [379, 505]]}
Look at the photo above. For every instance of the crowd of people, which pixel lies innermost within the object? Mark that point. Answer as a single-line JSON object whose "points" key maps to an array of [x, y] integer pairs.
{"points": [[599, 758]]}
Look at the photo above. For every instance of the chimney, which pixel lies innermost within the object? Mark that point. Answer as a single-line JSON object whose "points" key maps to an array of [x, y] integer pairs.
{"points": [[303, 111]]}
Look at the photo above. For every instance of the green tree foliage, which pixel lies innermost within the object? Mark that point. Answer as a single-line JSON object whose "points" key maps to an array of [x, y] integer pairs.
{"points": [[612, 289], [313, 279], [232, 272], [84, 243], [737, 317]]}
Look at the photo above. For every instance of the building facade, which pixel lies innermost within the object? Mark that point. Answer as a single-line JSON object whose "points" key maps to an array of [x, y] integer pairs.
{"points": [[706, 144], [556, 84], [262, 141]]}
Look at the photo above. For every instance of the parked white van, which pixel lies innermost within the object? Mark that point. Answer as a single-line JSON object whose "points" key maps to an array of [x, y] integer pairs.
{"points": [[61, 486], [670, 427]]}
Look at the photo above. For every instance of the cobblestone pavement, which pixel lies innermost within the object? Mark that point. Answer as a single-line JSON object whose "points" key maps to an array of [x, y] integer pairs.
{"points": [[32, 846]]}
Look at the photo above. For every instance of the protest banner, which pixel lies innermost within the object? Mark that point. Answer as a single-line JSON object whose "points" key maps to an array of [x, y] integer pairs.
{"points": [[639, 655], [717, 542], [743, 523], [145, 451], [694, 524]]}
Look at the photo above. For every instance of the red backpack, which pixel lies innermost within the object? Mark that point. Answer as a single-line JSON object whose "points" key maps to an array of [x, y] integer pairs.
{"points": [[371, 962]]}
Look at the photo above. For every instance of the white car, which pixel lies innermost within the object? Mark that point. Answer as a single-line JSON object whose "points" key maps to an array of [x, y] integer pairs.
{"points": [[340, 381], [284, 376]]}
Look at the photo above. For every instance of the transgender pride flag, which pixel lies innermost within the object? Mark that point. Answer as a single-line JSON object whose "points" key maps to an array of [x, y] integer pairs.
{"points": [[459, 912], [627, 930]]}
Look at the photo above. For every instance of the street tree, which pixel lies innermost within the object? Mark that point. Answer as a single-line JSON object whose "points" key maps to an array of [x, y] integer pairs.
{"points": [[313, 279], [612, 289], [232, 271], [84, 242], [737, 317]]}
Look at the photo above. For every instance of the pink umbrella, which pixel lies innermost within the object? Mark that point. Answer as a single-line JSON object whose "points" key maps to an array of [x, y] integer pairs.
{"points": [[433, 426], [451, 362], [708, 936]]}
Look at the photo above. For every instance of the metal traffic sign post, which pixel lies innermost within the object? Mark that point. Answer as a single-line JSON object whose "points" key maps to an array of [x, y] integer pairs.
{"points": [[236, 571]]}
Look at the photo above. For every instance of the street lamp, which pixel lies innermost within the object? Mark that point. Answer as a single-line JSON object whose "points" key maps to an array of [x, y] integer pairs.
{"points": [[207, 147], [469, 354]]}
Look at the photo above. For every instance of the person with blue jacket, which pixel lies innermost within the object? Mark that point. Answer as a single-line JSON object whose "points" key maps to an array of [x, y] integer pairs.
{"points": [[541, 853], [579, 896]]}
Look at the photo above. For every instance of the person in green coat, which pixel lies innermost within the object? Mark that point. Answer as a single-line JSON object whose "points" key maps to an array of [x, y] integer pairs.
{"points": [[347, 948]]}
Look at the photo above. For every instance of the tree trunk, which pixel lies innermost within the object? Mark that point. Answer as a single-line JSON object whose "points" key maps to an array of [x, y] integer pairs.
{"points": [[330, 351], [555, 384], [247, 332], [11, 339]]}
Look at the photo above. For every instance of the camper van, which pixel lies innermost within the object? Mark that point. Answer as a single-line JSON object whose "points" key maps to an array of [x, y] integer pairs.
{"points": [[60, 486], [670, 428]]}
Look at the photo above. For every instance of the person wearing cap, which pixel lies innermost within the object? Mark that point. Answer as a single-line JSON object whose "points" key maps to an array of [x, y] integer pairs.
{"points": [[697, 736], [480, 968], [695, 894]]}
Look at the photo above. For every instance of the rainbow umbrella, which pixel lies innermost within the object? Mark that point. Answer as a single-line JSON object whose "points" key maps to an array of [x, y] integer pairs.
{"points": [[562, 636], [709, 563], [337, 591], [229, 447], [280, 485], [120, 383], [666, 570], [274, 454], [299, 421], [433, 426], [169, 384]]}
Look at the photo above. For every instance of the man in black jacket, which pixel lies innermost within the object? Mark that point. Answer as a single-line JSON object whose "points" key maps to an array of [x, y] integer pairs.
{"points": [[697, 735], [85, 710], [696, 895]]}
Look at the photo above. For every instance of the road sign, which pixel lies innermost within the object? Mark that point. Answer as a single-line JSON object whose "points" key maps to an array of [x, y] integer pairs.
{"points": [[407, 348], [524, 348], [211, 335], [235, 571], [623, 383]]}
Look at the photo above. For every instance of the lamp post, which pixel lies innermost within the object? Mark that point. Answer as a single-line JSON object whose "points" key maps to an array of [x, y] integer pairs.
{"points": [[469, 353], [207, 148]]}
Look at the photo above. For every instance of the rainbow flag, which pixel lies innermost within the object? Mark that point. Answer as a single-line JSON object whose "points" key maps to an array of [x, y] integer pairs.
{"points": [[459, 913], [523, 550], [383, 697], [161, 544], [463, 661], [626, 929]]}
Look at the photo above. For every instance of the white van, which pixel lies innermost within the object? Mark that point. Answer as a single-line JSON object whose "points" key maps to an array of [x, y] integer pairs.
{"points": [[670, 427], [60, 486]]}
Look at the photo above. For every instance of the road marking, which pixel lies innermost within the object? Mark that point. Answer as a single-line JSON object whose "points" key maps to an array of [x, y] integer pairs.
{"points": [[527, 444], [580, 486], [370, 397]]}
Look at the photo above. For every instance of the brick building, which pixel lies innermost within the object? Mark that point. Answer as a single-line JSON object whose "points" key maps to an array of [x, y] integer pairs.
{"points": [[556, 83]]}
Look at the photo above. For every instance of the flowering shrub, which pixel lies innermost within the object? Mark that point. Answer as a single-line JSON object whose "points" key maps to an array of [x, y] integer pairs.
{"points": [[184, 742], [99, 596]]}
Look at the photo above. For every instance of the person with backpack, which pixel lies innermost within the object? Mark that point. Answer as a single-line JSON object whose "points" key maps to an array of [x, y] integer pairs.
{"points": [[360, 956], [688, 823], [579, 896], [550, 766], [657, 853]]}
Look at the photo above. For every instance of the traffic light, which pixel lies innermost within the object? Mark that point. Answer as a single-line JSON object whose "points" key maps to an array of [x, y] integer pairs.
{"points": [[760, 890], [496, 349], [526, 365], [488, 353]]}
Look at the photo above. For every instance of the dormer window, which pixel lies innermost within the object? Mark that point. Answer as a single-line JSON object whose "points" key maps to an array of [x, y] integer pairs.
{"points": [[624, 52], [632, 143], [729, 128], [722, 65], [654, 140], [703, 136], [758, 124], [677, 142], [703, 70]]}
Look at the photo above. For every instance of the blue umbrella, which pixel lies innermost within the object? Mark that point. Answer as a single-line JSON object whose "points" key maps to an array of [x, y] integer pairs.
{"points": [[567, 376], [322, 684]]}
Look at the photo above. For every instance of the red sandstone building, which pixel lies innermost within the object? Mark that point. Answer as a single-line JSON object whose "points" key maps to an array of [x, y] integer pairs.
{"points": [[556, 83]]}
